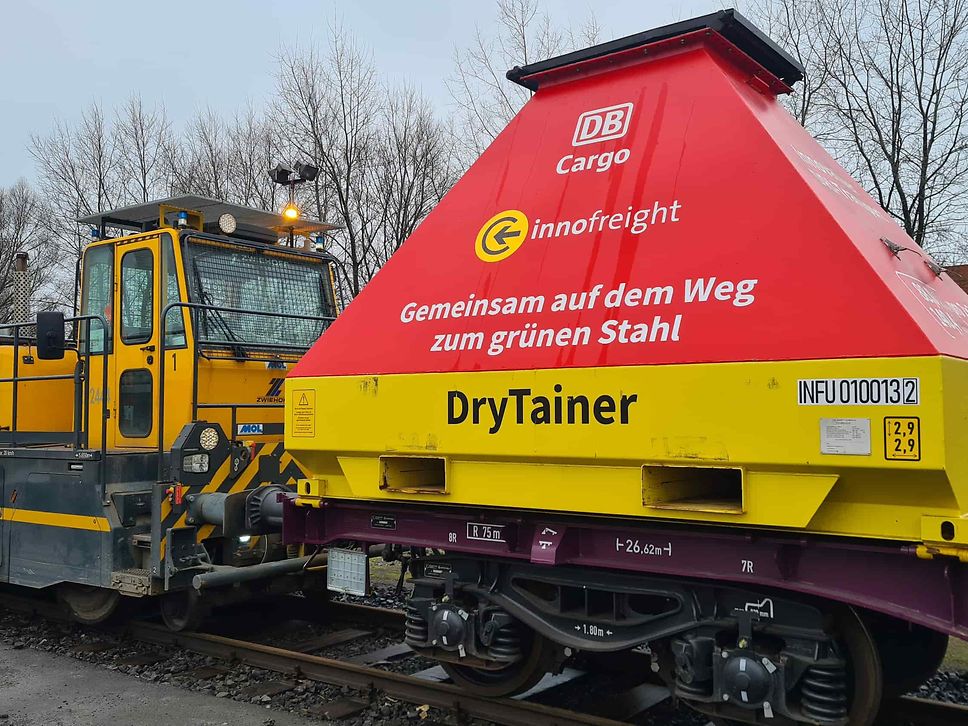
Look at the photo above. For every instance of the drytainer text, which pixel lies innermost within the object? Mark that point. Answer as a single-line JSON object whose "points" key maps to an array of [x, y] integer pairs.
{"points": [[520, 407]]}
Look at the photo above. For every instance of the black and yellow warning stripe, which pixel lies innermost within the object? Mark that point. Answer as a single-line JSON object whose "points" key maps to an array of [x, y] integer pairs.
{"points": [[247, 479]]}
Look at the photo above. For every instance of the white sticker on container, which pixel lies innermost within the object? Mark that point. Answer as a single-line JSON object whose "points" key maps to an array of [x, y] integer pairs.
{"points": [[851, 436]]}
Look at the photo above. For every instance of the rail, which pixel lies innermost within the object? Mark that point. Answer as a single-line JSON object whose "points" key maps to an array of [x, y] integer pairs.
{"points": [[197, 347], [921, 712], [365, 678]]}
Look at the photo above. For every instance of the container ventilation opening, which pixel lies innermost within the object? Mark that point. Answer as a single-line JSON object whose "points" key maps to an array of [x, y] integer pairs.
{"points": [[693, 489], [413, 474]]}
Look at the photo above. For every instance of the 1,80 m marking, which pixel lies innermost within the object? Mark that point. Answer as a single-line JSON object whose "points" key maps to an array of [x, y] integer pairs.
{"points": [[859, 391]]}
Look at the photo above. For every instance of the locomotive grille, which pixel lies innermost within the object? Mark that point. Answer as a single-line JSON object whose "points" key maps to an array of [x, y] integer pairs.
{"points": [[232, 277]]}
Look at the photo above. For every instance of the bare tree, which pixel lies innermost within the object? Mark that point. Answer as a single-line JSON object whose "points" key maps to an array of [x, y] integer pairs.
{"points": [[79, 172], [142, 137], [335, 107], [23, 228], [901, 77], [79, 165], [799, 27], [385, 157], [255, 145], [417, 164], [484, 100], [887, 93], [199, 161]]}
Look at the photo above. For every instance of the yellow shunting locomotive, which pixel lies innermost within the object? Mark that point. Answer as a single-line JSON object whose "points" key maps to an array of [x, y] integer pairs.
{"points": [[141, 446]]}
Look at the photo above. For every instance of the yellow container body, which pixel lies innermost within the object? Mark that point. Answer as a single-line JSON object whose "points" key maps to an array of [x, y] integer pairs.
{"points": [[688, 425]]}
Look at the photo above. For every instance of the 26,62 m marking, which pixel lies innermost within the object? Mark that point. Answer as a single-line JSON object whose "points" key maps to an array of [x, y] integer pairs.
{"points": [[647, 549]]}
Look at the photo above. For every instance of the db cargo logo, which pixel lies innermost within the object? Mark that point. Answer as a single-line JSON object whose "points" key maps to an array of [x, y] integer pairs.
{"points": [[603, 124]]}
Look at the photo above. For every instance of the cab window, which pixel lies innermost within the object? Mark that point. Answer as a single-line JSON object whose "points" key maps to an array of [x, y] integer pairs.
{"points": [[98, 279], [137, 296], [175, 320], [134, 396]]}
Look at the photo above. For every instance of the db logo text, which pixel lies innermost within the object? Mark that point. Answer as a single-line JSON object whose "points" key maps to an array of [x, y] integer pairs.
{"points": [[601, 124]]}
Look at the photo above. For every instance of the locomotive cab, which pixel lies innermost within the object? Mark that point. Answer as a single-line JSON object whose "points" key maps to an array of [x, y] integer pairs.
{"points": [[143, 434]]}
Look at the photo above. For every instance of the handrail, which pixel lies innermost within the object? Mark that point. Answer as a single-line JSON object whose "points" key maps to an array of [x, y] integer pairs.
{"points": [[163, 348], [82, 386]]}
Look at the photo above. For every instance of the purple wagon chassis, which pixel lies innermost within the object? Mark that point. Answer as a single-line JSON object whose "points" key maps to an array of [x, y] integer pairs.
{"points": [[883, 576]]}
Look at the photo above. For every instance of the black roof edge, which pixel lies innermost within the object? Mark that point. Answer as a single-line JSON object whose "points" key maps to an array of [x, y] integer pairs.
{"points": [[728, 23]]}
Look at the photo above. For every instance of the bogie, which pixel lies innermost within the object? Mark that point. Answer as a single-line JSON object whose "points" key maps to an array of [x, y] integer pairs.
{"points": [[732, 653]]}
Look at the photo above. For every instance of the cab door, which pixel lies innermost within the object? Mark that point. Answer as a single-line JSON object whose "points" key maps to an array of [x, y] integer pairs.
{"points": [[136, 344]]}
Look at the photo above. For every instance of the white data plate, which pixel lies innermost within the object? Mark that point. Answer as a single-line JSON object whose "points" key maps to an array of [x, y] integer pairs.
{"points": [[851, 436], [347, 571]]}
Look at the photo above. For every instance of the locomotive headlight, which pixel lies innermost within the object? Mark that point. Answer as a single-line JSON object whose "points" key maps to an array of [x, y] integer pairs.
{"points": [[195, 463], [227, 223], [208, 439], [291, 212]]}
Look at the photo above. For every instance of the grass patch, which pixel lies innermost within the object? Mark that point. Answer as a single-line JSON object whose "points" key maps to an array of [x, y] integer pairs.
{"points": [[956, 659]]}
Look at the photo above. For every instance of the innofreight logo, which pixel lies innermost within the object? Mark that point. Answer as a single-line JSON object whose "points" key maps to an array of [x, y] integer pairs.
{"points": [[602, 124], [501, 235]]}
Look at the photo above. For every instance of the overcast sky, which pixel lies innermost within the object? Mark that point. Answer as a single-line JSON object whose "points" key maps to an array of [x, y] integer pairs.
{"points": [[59, 56]]}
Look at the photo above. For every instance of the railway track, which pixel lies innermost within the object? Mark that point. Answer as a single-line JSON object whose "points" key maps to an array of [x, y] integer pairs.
{"points": [[369, 680], [922, 712], [366, 679]]}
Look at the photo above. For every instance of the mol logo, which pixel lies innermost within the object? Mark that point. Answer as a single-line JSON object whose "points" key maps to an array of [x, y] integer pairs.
{"points": [[250, 428], [602, 124], [274, 393]]}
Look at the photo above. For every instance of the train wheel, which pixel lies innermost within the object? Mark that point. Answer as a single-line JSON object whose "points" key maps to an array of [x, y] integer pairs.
{"points": [[87, 604], [182, 610], [866, 681], [510, 680], [910, 654]]}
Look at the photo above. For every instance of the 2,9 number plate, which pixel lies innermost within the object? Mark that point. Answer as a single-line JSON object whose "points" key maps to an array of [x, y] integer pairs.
{"points": [[902, 438]]}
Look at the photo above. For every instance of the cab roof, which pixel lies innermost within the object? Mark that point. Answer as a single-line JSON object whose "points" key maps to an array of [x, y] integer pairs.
{"points": [[251, 223]]}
